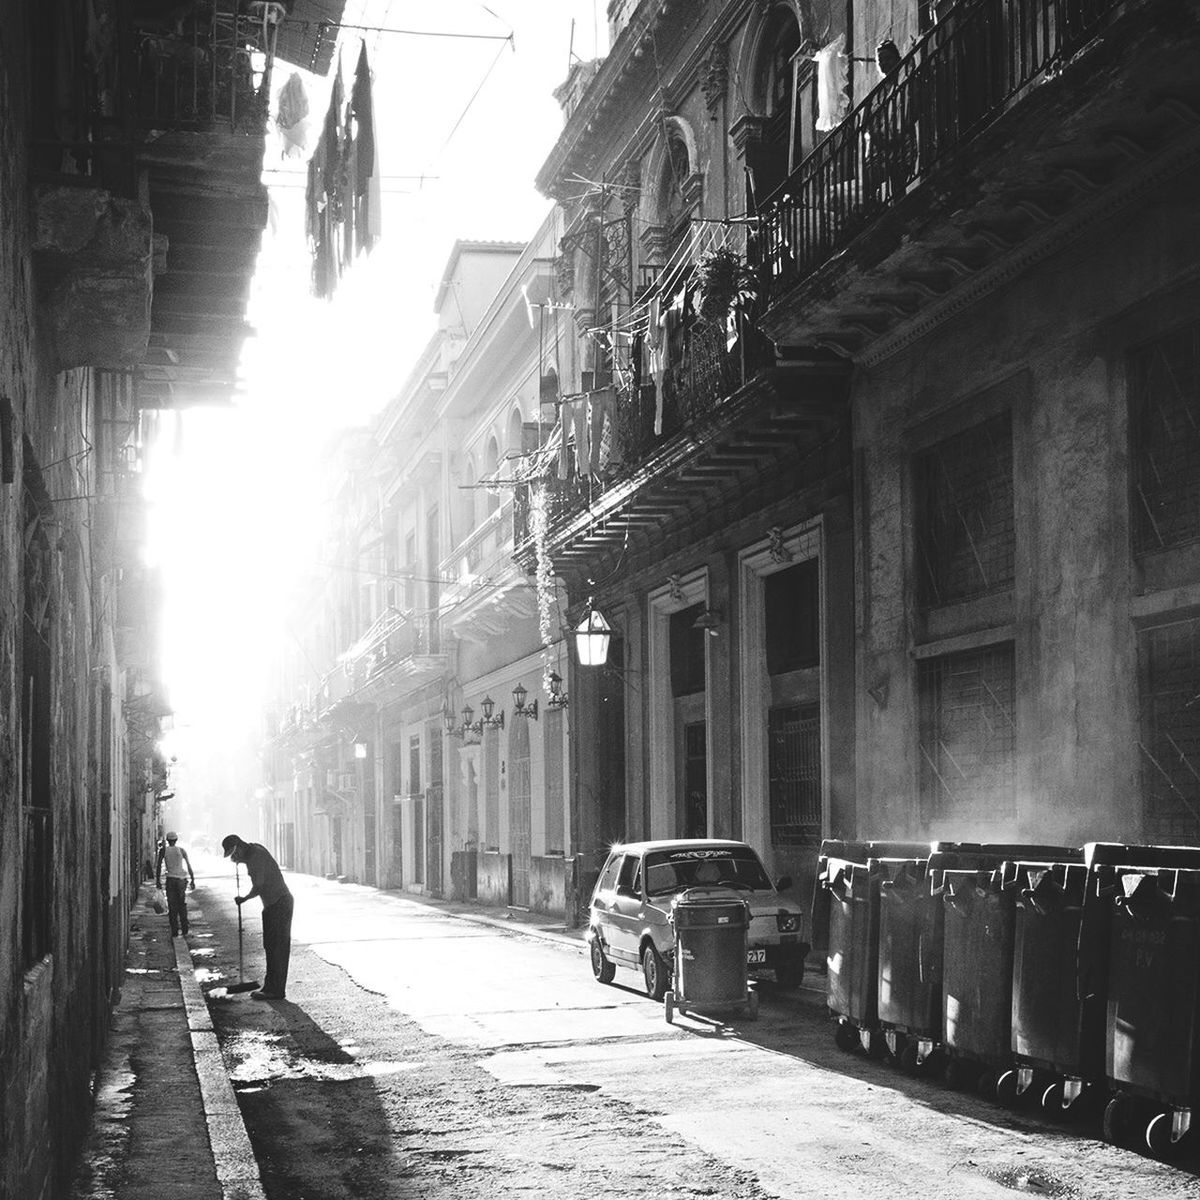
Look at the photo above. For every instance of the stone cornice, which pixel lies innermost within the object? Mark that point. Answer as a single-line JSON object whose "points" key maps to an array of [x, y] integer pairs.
{"points": [[634, 52]]}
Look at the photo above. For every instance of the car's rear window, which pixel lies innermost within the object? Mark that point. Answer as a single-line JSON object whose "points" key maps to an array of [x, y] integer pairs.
{"points": [[669, 871]]}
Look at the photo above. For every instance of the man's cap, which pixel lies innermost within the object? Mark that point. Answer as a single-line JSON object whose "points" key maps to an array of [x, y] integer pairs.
{"points": [[229, 844], [172, 836]]}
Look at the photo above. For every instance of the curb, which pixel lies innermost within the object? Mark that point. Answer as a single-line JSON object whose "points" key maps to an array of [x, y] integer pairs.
{"points": [[233, 1156]]}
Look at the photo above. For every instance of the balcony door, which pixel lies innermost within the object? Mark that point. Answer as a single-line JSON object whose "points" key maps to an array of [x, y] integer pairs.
{"points": [[435, 811], [680, 710], [519, 807]]}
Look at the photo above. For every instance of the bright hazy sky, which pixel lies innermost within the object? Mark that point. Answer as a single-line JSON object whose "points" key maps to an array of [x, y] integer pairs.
{"points": [[232, 491]]}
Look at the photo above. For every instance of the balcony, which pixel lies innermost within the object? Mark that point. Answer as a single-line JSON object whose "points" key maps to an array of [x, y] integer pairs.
{"points": [[727, 415], [169, 134], [401, 651], [488, 591], [1007, 127]]}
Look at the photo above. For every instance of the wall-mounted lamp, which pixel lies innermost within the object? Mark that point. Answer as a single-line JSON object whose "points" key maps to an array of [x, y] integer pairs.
{"points": [[558, 698], [519, 708], [709, 620], [488, 705], [360, 749], [448, 722], [592, 636]]}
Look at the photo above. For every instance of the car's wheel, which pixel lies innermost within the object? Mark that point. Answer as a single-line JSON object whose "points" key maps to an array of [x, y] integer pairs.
{"points": [[654, 972], [603, 970], [789, 975]]}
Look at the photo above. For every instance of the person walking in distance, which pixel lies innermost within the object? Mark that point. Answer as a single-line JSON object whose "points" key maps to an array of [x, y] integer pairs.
{"points": [[268, 884], [179, 870]]}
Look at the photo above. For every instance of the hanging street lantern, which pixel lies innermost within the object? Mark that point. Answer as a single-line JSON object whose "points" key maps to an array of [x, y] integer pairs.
{"points": [[592, 636]]}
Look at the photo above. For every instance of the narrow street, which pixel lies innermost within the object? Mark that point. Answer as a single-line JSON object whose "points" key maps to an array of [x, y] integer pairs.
{"points": [[423, 1054]]}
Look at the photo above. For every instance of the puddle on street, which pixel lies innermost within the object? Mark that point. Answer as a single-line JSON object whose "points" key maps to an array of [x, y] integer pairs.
{"points": [[262, 1060], [203, 952], [204, 975], [1032, 1181], [143, 970]]}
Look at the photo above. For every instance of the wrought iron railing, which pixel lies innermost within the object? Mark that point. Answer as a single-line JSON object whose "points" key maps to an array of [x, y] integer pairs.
{"points": [[693, 391], [961, 75], [210, 70]]}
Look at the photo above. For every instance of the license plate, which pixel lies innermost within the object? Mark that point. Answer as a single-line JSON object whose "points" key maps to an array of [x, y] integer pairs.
{"points": [[756, 956]]}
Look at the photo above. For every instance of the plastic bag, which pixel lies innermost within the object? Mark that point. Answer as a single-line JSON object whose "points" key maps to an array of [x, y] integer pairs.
{"points": [[159, 901]]}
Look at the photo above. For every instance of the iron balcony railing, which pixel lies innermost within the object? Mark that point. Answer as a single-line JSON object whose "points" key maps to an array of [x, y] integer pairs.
{"points": [[959, 77], [210, 70], [707, 372]]}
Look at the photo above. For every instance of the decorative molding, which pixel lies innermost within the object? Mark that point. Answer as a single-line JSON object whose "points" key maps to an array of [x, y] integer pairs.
{"points": [[746, 131], [692, 190], [716, 78], [655, 240], [776, 547], [1041, 246], [564, 274]]}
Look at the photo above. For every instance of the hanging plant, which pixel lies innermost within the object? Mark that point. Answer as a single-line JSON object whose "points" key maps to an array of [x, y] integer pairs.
{"points": [[722, 280], [543, 575]]}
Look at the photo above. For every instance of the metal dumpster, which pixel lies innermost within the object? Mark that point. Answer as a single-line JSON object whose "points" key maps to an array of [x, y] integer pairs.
{"points": [[710, 956], [846, 908], [1059, 987], [977, 976], [911, 934], [1152, 1032]]}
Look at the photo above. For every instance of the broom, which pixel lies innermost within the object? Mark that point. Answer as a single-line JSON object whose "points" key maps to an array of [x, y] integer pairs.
{"points": [[244, 984]]}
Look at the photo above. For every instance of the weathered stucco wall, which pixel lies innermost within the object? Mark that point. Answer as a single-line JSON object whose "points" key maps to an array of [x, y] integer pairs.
{"points": [[1056, 339]]}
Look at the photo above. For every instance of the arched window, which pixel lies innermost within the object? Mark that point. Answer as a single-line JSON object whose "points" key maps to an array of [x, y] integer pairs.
{"points": [[675, 203], [491, 464], [467, 507], [785, 88], [516, 433]]}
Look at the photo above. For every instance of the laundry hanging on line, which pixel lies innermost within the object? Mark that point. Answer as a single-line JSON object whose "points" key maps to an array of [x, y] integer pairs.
{"points": [[343, 197]]}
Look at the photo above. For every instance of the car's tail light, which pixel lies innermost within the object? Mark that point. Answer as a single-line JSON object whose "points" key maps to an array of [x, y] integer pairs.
{"points": [[788, 922]]}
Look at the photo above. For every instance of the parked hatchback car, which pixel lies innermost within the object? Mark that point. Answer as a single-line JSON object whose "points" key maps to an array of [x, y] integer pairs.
{"points": [[629, 923]]}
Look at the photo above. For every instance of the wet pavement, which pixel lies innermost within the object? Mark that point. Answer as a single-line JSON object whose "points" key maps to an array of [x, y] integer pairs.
{"points": [[422, 1053], [166, 1119]]}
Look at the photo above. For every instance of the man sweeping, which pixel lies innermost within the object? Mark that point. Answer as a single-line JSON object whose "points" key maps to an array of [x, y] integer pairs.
{"points": [[267, 883], [179, 870]]}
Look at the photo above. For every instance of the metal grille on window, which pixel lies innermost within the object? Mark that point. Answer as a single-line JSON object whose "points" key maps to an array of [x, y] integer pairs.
{"points": [[965, 537], [968, 733], [1164, 394], [794, 774], [1170, 732]]}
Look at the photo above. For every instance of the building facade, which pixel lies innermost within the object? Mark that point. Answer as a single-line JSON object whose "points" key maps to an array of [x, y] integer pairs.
{"points": [[868, 432], [1012, 277], [420, 745], [130, 155], [714, 531]]}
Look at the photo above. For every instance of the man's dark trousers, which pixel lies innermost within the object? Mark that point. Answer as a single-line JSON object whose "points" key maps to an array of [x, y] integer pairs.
{"points": [[177, 905], [277, 943]]}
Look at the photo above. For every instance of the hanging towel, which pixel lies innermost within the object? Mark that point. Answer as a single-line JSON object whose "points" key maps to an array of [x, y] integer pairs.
{"points": [[605, 449], [832, 77], [578, 410]]}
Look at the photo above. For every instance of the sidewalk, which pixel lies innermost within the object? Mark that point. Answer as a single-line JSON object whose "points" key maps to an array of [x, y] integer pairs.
{"points": [[166, 1121]]}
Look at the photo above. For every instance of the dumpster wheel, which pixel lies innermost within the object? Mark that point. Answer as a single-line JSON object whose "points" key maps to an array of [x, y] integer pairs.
{"points": [[845, 1036], [669, 1006], [1160, 1139], [1119, 1127]]}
